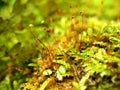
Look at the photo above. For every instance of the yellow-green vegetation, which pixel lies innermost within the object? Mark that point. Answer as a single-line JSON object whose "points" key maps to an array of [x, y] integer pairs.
{"points": [[59, 45]]}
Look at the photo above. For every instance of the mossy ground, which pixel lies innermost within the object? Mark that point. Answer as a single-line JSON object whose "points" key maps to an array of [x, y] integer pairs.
{"points": [[59, 45]]}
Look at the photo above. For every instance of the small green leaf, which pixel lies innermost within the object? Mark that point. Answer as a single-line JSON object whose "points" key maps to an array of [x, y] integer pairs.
{"points": [[76, 85], [47, 72], [62, 70], [32, 64]]}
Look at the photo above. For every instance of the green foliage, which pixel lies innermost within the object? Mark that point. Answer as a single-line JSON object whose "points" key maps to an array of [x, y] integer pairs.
{"points": [[5, 84], [56, 44]]}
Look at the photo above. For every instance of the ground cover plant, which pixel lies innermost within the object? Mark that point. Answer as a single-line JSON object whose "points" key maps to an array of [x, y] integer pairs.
{"points": [[59, 45]]}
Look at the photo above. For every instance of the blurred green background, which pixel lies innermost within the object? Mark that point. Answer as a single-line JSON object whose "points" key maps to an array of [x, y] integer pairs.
{"points": [[18, 47]]}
